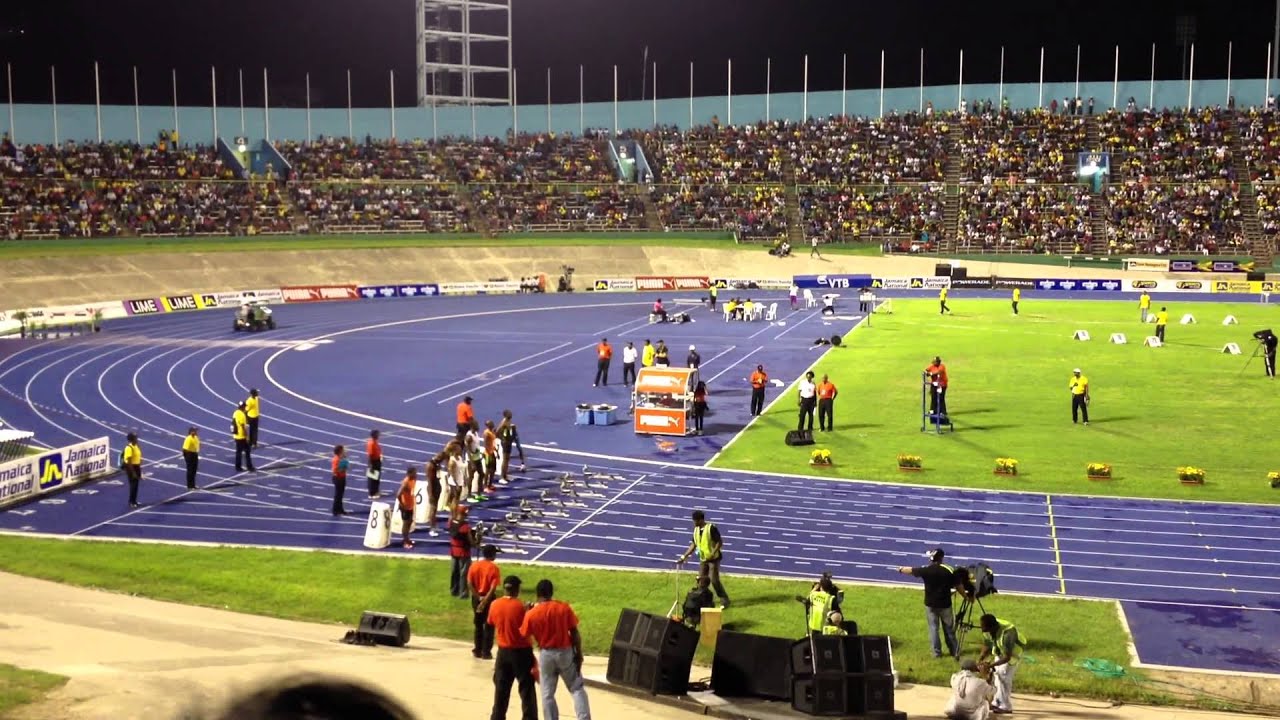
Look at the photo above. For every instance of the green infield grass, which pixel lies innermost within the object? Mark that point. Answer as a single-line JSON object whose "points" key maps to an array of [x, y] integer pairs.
{"points": [[63, 247], [1152, 409], [20, 687], [333, 588]]}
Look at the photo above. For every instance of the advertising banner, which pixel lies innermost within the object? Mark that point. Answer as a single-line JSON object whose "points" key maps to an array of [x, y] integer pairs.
{"points": [[54, 469], [480, 288], [1210, 265], [405, 290], [672, 282], [319, 293], [614, 285], [1243, 286], [143, 306], [831, 282], [1146, 264], [973, 283], [195, 301], [1001, 283], [751, 283], [235, 299], [1073, 285], [1167, 286]]}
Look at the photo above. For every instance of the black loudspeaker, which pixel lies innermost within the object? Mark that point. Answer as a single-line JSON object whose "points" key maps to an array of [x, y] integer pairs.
{"points": [[959, 273], [873, 655], [747, 665], [842, 694], [651, 652], [1255, 276], [799, 437], [942, 270], [384, 628], [823, 654]]}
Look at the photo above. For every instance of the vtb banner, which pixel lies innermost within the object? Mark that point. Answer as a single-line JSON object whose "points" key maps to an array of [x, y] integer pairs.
{"points": [[832, 282]]}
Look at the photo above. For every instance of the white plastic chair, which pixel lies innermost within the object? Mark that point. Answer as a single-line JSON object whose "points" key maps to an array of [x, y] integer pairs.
{"points": [[727, 317], [773, 312], [758, 311], [809, 301]]}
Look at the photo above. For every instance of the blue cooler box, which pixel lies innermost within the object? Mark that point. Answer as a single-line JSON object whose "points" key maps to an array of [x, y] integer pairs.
{"points": [[596, 414]]}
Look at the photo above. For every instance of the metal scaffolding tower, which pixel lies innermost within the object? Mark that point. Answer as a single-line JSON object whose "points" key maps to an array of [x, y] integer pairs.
{"points": [[464, 52]]}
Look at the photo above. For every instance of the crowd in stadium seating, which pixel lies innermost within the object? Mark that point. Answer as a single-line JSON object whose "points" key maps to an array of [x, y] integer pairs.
{"points": [[1171, 145], [896, 213], [1022, 145], [1173, 185], [1159, 219], [1035, 218]]}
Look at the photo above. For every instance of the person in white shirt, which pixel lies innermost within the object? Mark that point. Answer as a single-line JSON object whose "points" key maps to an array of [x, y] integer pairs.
{"points": [[808, 401], [473, 446], [794, 292], [813, 248], [629, 355], [970, 694], [456, 477]]}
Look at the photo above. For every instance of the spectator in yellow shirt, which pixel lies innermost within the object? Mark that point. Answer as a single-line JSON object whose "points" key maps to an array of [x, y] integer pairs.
{"points": [[1079, 387]]}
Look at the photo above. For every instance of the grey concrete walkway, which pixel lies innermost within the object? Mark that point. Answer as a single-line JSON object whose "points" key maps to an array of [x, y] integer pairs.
{"points": [[134, 658]]}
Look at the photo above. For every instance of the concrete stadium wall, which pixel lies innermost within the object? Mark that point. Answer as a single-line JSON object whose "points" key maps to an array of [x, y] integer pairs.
{"points": [[52, 281], [35, 123]]}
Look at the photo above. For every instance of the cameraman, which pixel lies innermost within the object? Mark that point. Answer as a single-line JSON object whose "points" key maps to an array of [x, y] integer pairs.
{"points": [[823, 607], [939, 579]]}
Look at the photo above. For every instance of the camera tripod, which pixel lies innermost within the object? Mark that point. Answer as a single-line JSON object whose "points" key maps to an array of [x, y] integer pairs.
{"points": [[1258, 348], [964, 618]]}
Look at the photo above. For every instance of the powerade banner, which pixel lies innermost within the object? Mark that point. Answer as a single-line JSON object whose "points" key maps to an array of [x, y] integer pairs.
{"points": [[1072, 285], [404, 290], [1217, 266], [973, 283], [1011, 283], [63, 467], [831, 282]]}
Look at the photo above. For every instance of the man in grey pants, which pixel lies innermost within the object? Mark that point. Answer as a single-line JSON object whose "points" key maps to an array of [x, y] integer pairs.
{"points": [[939, 579], [554, 626]]}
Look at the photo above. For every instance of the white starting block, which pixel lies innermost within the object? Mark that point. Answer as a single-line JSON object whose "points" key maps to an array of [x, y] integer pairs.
{"points": [[1119, 339], [1188, 319], [884, 308], [1151, 318], [1153, 341], [422, 510], [1230, 320], [1231, 349], [397, 521], [1082, 335], [377, 532]]}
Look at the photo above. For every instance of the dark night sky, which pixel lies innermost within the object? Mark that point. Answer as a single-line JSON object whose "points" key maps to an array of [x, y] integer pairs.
{"points": [[370, 37]]}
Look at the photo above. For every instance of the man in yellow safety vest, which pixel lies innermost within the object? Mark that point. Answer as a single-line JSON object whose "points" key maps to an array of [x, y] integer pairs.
{"points": [[709, 546], [1001, 649]]}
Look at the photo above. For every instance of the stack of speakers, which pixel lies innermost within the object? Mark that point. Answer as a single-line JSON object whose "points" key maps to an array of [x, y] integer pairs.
{"points": [[843, 676], [651, 653]]}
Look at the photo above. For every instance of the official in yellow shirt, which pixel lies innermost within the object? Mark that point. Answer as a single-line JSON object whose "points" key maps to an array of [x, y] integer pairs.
{"points": [[131, 459], [240, 432], [1162, 321], [251, 409], [942, 299], [1079, 387], [1144, 304], [191, 454], [647, 355], [1017, 296]]}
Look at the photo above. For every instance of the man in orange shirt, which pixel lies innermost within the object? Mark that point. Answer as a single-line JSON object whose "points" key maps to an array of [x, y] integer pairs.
{"points": [[465, 417], [604, 353], [483, 579], [759, 379], [407, 497], [373, 455], [554, 626], [936, 376], [826, 404], [515, 654]]}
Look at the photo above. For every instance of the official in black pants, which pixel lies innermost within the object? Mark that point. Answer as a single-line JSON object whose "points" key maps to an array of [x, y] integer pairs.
{"points": [[514, 662], [629, 355], [759, 379], [808, 401], [826, 404], [191, 454], [132, 461], [1078, 386], [604, 353]]}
